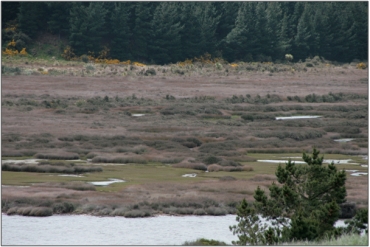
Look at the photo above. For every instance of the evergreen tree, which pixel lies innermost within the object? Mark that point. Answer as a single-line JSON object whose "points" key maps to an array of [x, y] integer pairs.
{"points": [[274, 16], [121, 33], [142, 31], [190, 36], [207, 18], [304, 36], [323, 30], [166, 43], [32, 18], [241, 38], [305, 206], [358, 13], [9, 12], [59, 16], [284, 43], [86, 27]]}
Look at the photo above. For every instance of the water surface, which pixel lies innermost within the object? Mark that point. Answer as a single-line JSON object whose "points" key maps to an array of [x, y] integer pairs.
{"points": [[92, 230]]}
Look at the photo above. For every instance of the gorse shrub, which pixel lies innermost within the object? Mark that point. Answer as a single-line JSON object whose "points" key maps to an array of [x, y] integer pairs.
{"points": [[361, 66]]}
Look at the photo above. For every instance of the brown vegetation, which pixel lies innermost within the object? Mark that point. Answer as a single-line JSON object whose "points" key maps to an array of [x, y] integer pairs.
{"points": [[201, 118]]}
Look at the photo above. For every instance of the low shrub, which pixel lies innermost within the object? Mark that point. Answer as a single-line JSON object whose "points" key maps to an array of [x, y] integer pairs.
{"points": [[49, 168], [31, 211], [211, 160], [63, 208], [204, 242], [199, 211], [216, 168], [216, 211], [229, 163], [64, 156], [247, 117], [120, 160], [195, 166], [136, 213], [119, 211], [227, 178]]}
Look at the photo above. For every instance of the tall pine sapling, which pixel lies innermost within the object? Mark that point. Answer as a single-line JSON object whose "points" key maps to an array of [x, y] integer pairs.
{"points": [[305, 203]]}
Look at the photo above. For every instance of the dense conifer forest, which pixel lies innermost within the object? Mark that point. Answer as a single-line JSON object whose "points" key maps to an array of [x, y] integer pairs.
{"points": [[168, 32]]}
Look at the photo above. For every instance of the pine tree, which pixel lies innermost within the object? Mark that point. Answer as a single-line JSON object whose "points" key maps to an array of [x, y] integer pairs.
{"points": [[32, 17], [142, 31], [9, 12], [190, 37], [59, 16], [207, 17], [166, 43], [86, 27], [305, 204], [303, 38], [121, 33], [274, 16], [242, 39]]}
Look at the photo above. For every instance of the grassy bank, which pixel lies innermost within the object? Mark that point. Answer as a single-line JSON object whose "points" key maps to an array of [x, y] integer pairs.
{"points": [[344, 240]]}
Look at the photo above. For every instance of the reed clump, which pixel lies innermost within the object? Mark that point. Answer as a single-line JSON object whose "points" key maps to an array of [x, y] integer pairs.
{"points": [[30, 211]]}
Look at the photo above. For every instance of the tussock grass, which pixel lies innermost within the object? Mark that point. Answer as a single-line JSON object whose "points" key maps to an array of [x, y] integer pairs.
{"points": [[195, 166], [61, 156], [72, 185], [49, 168], [344, 240], [120, 160], [217, 168], [135, 213], [30, 211], [204, 242]]}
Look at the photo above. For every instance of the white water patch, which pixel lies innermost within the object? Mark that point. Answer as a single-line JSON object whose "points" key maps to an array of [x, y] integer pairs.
{"points": [[344, 140], [302, 162], [193, 175], [296, 117], [351, 170], [70, 175], [137, 115], [340, 162], [106, 183], [365, 165], [26, 161], [357, 174], [365, 157], [280, 161]]}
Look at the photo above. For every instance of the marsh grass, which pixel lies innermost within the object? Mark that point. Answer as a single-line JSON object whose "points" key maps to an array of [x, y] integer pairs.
{"points": [[120, 160], [344, 240], [60, 156], [60, 167], [72, 185], [30, 211], [216, 168], [195, 166]]}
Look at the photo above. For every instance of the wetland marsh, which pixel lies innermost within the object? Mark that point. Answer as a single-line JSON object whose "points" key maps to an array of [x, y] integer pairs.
{"points": [[191, 144]]}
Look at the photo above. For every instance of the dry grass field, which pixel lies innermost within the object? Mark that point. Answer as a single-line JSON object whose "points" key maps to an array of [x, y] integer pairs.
{"points": [[97, 122]]}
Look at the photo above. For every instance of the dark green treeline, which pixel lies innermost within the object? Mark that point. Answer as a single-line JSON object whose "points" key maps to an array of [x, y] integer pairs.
{"points": [[166, 32]]}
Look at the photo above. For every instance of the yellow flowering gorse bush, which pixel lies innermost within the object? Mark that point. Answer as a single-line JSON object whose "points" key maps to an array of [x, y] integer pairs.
{"points": [[11, 50], [361, 66]]}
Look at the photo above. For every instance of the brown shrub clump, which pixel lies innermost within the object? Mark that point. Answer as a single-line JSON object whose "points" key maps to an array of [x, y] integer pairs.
{"points": [[216, 168]]}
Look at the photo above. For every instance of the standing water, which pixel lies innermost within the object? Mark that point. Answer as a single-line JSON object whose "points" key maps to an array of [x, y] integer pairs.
{"points": [[92, 230]]}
